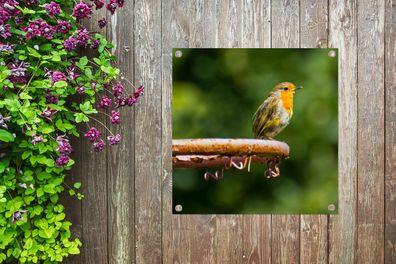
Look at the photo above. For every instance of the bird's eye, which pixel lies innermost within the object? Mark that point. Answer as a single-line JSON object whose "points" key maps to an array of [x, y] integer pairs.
{"points": [[285, 88]]}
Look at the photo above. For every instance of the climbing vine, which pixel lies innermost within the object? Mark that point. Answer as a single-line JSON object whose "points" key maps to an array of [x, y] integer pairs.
{"points": [[46, 88]]}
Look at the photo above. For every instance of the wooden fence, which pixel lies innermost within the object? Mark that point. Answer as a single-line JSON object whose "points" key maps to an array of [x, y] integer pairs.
{"points": [[126, 217]]}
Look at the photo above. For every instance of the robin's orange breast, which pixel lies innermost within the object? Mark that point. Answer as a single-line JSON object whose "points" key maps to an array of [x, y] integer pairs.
{"points": [[287, 101]]}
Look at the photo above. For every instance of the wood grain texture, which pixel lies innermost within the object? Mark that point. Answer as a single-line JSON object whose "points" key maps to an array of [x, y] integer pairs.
{"points": [[256, 230], [148, 134], [370, 82], [390, 128], [120, 159], [313, 228], [285, 232], [342, 227]]}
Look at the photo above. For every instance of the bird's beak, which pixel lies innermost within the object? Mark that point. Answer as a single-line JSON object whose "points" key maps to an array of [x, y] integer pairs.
{"points": [[299, 87]]}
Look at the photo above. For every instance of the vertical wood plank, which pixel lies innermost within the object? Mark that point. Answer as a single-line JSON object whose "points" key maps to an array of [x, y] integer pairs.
{"points": [[256, 230], [120, 170], [314, 23], [313, 228], [342, 227], [185, 238], [370, 21], [94, 185], [285, 228], [390, 128], [148, 134]]}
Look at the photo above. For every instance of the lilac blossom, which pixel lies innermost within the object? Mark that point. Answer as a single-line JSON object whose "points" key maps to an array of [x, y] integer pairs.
{"points": [[34, 28], [105, 102], [63, 27], [95, 44], [102, 22], [92, 134], [83, 37], [6, 47], [118, 89], [57, 76], [112, 6], [64, 146], [70, 43], [99, 4], [18, 71], [80, 89], [99, 146], [53, 8], [3, 121], [47, 31], [62, 160], [82, 10], [5, 31], [115, 117], [37, 139], [72, 72], [48, 113], [114, 140], [17, 216]]}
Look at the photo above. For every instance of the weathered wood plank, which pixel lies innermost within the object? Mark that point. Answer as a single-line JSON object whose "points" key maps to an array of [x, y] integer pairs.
{"points": [[148, 134], [285, 228], [256, 230], [314, 23], [370, 218], [342, 227], [313, 228], [185, 238], [120, 168], [390, 128]]}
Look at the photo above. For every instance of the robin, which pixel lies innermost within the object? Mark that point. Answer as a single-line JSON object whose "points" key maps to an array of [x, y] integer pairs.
{"points": [[274, 114]]}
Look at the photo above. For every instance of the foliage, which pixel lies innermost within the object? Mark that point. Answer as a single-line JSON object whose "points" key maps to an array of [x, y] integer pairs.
{"points": [[215, 94], [41, 69]]}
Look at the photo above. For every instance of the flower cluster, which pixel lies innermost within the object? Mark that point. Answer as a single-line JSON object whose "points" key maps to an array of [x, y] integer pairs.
{"points": [[47, 86]]}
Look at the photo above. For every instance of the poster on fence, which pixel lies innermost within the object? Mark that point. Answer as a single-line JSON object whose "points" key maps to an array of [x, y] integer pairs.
{"points": [[255, 131]]}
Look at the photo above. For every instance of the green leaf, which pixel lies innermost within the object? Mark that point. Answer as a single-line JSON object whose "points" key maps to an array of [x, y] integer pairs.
{"points": [[82, 62], [6, 136], [49, 188], [12, 104], [77, 185]]}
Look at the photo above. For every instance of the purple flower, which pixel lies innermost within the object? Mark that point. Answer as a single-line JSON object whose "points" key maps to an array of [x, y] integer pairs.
{"points": [[93, 86], [5, 31], [6, 47], [63, 27], [53, 8], [102, 22], [131, 100], [115, 117], [135, 96], [95, 44], [4, 16], [99, 146], [47, 31], [57, 76], [72, 72], [70, 43], [64, 146], [112, 6], [81, 10], [17, 216], [105, 102], [62, 160], [118, 89], [99, 3], [34, 28], [121, 102], [114, 140], [83, 37], [139, 91], [120, 3], [51, 98], [48, 113], [37, 139], [18, 71], [92, 134], [3, 121], [80, 89]]}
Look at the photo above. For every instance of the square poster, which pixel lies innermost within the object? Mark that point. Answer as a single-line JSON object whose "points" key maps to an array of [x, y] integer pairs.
{"points": [[287, 97]]}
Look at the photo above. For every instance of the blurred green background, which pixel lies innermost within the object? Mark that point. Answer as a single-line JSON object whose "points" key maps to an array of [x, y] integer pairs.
{"points": [[215, 94]]}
